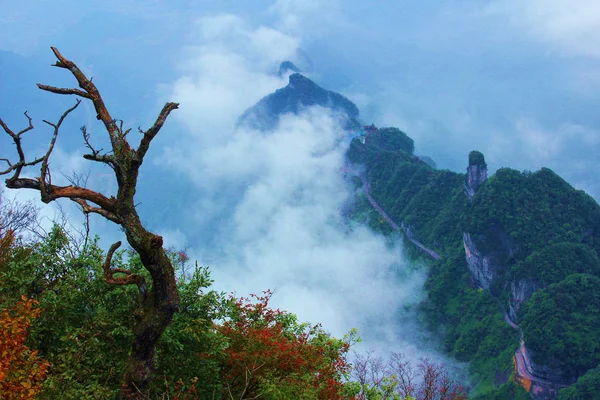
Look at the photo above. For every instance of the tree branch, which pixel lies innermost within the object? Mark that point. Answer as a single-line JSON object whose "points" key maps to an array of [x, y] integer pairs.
{"points": [[153, 131], [95, 155], [44, 170], [16, 137], [90, 92], [87, 209], [57, 90], [129, 279]]}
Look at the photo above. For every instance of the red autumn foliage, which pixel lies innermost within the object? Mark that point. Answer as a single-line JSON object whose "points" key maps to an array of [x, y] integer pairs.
{"points": [[268, 351], [21, 369]]}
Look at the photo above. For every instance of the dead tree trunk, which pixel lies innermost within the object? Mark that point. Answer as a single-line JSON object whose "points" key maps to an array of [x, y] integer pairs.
{"points": [[161, 299]]}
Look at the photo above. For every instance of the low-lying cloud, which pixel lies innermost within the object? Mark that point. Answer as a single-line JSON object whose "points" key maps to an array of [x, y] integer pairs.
{"points": [[276, 202]]}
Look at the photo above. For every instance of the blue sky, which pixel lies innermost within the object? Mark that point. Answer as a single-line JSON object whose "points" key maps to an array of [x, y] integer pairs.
{"points": [[518, 80]]}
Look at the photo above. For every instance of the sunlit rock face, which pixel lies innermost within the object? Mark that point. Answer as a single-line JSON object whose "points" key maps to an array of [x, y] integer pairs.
{"points": [[300, 93], [476, 173]]}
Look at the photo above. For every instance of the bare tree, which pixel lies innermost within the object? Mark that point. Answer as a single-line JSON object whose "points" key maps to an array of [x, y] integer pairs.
{"points": [[397, 378], [159, 302], [16, 216]]}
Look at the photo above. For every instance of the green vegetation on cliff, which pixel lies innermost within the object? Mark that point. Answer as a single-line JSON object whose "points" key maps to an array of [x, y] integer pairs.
{"points": [[477, 158], [532, 211], [554, 263], [586, 388], [561, 324], [535, 226]]}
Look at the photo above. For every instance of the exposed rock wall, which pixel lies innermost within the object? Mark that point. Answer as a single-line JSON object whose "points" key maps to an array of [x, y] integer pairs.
{"points": [[521, 290], [476, 173], [549, 371], [483, 268]]}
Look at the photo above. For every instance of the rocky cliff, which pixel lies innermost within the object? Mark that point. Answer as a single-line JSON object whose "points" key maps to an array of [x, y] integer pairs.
{"points": [[521, 290], [483, 267], [550, 370], [476, 173]]}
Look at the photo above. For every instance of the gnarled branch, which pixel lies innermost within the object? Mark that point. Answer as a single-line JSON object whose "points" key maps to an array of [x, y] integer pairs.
{"points": [[95, 155], [87, 209], [56, 90], [130, 278]]}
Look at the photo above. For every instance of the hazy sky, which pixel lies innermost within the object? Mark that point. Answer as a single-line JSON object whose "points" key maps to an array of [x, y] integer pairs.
{"points": [[518, 80]]}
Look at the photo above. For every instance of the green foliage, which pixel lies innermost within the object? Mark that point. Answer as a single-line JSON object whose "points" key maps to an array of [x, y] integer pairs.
{"points": [[532, 211], [477, 158], [554, 263], [586, 388], [535, 224], [391, 139], [84, 331], [509, 390], [560, 324]]}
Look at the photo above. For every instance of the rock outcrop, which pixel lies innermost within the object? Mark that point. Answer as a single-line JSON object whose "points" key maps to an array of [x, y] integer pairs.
{"points": [[521, 290], [476, 173], [549, 371], [484, 268]]}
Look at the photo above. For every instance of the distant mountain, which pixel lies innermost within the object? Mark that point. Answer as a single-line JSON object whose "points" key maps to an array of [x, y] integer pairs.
{"points": [[300, 93]]}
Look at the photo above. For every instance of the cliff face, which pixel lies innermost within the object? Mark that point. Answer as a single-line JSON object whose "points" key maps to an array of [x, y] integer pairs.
{"points": [[521, 290], [483, 267], [549, 371], [491, 257]]}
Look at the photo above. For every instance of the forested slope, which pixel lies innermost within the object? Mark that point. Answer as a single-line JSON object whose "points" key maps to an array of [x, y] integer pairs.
{"points": [[514, 233]]}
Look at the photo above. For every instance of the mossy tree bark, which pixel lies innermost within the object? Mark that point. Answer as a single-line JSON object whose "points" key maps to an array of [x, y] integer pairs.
{"points": [[159, 302]]}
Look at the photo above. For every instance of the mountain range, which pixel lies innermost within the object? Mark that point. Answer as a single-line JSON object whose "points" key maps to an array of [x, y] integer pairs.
{"points": [[516, 289]]}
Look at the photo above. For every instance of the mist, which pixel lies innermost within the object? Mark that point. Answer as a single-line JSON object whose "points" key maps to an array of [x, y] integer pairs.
{"points": [[265, 211]]}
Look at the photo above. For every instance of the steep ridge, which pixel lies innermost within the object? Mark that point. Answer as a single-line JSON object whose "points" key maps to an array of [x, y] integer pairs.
{"points": [[386, 217], [508, 237]]}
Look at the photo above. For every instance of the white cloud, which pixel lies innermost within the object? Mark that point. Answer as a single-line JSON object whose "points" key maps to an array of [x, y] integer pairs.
{"points": [[227, 72], [570, 27], [287, 232], [306, 17], [277, 197]]}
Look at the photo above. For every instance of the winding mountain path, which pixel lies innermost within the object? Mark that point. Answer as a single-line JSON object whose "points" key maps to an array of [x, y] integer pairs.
{"points": [[385, 216], [523, 366]]}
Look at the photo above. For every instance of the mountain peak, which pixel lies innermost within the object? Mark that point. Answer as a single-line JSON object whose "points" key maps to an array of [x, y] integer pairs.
{"points": [[300, 93], [298, 81]]}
